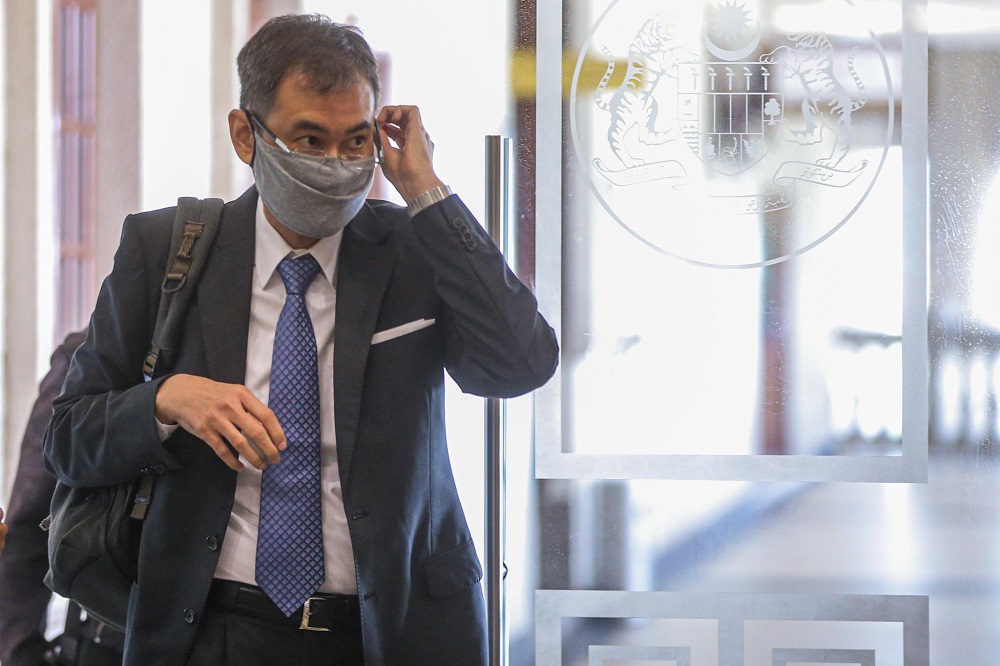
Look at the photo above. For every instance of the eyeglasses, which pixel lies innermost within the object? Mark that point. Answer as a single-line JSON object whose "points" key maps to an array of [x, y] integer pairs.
{"points": [[360, 160]]}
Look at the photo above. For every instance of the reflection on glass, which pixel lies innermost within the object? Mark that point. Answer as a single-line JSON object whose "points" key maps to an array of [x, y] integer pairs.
{"points": [[706, 122], [737, 185], [668, 360]]}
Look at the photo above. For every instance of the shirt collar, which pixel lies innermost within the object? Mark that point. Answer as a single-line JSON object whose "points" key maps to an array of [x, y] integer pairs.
{"points": [[271, 248]]}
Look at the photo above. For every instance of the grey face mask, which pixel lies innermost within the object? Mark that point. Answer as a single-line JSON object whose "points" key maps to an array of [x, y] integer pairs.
{"points": [[312, 196]]}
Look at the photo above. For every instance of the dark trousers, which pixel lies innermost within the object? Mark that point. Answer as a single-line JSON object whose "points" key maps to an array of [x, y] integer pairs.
{"points": [[229, 636], [88, 654], [86, 641]]}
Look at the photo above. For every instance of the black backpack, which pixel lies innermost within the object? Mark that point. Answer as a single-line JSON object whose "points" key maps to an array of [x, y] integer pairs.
{"points": [[94, 532]]}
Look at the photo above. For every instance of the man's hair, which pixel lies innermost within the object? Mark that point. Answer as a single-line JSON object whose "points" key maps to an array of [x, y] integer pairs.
{"points": [[331, 55]]}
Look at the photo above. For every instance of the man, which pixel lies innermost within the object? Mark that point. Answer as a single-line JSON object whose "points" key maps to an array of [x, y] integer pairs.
{"points": [[327, 366], [25, 598]]}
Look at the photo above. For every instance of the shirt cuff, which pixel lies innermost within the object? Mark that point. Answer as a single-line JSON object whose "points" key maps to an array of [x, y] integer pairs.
{"points": [[164, 430], [428, 198]]}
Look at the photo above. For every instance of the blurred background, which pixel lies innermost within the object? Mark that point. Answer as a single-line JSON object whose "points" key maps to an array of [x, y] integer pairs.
{"points": [[773, 435]]}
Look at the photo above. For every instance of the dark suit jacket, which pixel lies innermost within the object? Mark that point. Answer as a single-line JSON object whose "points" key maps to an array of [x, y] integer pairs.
{"points": [[24, 598], [417, 570]]}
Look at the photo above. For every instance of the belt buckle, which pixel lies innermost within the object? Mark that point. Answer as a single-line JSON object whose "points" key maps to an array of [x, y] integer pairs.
{"points": [[306, 614]]}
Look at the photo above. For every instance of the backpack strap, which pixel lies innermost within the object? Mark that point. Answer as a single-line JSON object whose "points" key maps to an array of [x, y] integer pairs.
{"points": [[195, 226]]}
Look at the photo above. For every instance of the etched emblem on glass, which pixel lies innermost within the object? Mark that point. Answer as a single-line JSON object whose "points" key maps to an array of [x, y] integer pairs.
{"points": [[725, 139]]}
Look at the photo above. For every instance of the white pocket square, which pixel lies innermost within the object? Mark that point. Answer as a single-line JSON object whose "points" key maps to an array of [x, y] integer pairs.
{"points": [[404, 329]]}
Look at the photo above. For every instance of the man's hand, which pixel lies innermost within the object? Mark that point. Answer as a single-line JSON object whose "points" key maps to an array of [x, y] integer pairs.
{"points": [[218, 413], [408, 164], [3, 531]]}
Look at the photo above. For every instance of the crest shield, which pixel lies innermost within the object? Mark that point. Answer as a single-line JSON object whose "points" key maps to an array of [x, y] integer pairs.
{"points": [[728, 112]]}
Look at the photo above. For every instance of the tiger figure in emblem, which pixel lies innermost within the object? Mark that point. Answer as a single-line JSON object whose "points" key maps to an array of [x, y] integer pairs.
{"points": [[633, 108], [826, 103]]}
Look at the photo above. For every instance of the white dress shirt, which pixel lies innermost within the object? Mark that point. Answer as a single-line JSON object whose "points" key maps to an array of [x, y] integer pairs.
{"points": [[239, 548]]}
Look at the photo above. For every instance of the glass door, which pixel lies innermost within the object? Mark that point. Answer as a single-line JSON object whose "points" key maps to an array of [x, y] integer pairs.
{"points": [[761, 228]]}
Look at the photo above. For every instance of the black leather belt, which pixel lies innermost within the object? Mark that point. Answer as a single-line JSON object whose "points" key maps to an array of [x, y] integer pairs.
{"points": [[321, 612]]}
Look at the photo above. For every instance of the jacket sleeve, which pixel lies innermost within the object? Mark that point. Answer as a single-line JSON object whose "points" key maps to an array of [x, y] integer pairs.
{"points": [[498, 345], [103, 428], [25, 560]]}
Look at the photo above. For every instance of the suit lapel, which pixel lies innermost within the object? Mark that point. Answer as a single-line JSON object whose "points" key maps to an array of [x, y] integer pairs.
{"points": [[224, 291], [363, 272]]}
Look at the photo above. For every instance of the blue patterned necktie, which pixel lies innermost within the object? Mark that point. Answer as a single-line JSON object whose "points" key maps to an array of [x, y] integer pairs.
{"points": [[290, 538]]}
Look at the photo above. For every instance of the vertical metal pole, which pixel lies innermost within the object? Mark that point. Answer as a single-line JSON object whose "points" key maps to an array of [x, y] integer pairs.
{"points": [[498, 162]]}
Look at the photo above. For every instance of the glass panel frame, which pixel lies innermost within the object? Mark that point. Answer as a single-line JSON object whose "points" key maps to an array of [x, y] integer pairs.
{"points": [[553, 461], [735, 616]]}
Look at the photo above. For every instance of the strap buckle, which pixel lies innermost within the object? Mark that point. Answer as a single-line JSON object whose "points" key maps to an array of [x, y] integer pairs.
{"points": [[307, 614]]}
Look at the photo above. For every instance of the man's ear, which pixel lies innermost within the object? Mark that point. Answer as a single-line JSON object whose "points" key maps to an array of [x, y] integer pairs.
{"points": [[241, 134]]}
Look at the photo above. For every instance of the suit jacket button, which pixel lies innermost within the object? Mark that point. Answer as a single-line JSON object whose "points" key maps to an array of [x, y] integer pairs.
{"points": [[189, 615], [159, 469], [212, 543]]}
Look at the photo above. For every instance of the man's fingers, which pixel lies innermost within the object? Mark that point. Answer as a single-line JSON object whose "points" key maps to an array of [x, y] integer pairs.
{"points": [[406, 135], [268, 421], [219, 413], [408, 163], [394, 133], [400, 119], [253, 429], [241, 441], [397, 113], [258, 440], [223, 451]]}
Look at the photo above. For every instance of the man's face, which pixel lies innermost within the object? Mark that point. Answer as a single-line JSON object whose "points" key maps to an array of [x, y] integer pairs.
{"points": [[337, 123]]}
